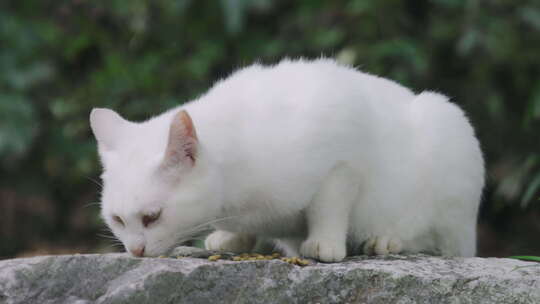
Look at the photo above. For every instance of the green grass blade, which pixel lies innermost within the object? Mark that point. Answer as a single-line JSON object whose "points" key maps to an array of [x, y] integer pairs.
{"points": [[526, 258]]}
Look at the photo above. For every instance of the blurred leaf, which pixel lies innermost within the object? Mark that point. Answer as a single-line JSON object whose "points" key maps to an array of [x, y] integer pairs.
{"points": [[535, 104], [450, 3], [200, 63], [402, 50], [359, 6], [328, 38], [468, 41], [24, 78], [18, 126], [531, 16], [234, 12], [75, 46], [511, 186], [274, 48], [532, 110], [530, 191], [346, 56], [61, 108], [495, 106]]}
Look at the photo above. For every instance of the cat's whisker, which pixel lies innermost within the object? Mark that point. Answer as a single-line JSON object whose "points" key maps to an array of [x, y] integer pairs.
{"points": [[91, 204], [115, 246], [94, 181], [112, 237], [191, 232], [115, 242], [205, 225], [198, 232], [107, 231], [184, 237]]}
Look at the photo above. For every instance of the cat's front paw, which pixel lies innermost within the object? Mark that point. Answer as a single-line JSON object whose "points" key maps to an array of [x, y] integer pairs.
{"points": [[382, 245], [228, 241], [324, 250]]}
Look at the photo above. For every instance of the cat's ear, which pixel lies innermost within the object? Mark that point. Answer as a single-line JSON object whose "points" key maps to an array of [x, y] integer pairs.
{"points": [[182, 143], [108, 127]]}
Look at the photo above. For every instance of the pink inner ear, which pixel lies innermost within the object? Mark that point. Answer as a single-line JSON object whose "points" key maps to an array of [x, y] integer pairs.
{"points": [[182, 144], [184, 117]]}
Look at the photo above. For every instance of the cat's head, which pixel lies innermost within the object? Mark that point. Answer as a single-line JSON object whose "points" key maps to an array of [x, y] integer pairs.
{"points": [[159, 186]]}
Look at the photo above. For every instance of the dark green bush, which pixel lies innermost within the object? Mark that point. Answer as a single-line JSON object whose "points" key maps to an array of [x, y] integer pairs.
{"points": [[58, 59]]}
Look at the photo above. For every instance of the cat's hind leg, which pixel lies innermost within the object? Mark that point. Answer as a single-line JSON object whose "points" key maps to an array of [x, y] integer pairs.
{"points": [[328, 216], [457, 241], [229, 241], [382, 245], [289, 246]]}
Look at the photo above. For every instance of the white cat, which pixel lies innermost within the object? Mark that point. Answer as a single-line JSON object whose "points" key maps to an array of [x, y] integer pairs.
{"points": [[316, 156]]}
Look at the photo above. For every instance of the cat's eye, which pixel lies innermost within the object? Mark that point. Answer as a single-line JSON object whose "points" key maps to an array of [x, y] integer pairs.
{"points": [[118, 219], [148, 219]]}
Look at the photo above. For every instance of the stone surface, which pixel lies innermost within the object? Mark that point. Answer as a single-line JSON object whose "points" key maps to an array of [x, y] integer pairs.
{"points": [[118, 278]]}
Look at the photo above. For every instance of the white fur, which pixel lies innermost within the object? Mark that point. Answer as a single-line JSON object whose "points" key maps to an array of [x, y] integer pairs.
{"points": [[308, 153]]}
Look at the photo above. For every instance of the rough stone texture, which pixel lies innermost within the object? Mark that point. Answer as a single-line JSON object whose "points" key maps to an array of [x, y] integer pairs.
{"points": [[118, 278]]}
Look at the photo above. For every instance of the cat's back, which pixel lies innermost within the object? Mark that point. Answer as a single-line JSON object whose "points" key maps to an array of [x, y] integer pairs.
{"points": [[302, 84], [298, 105], [300, 94], [298, 111]]}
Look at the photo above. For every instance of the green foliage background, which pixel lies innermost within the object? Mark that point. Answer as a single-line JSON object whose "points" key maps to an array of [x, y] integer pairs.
{"points": [[58, 59]]}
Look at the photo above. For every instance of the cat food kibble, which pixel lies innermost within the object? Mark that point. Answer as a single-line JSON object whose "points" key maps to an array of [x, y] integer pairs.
{"points": [[259, 257], [214, 258], [296, 261]]}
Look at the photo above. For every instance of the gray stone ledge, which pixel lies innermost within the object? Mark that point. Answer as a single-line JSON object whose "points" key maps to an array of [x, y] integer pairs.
{"points": [[118, 278]]}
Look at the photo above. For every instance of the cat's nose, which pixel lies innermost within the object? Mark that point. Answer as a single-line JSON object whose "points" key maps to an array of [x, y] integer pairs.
{"points": [[137, 251]]}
